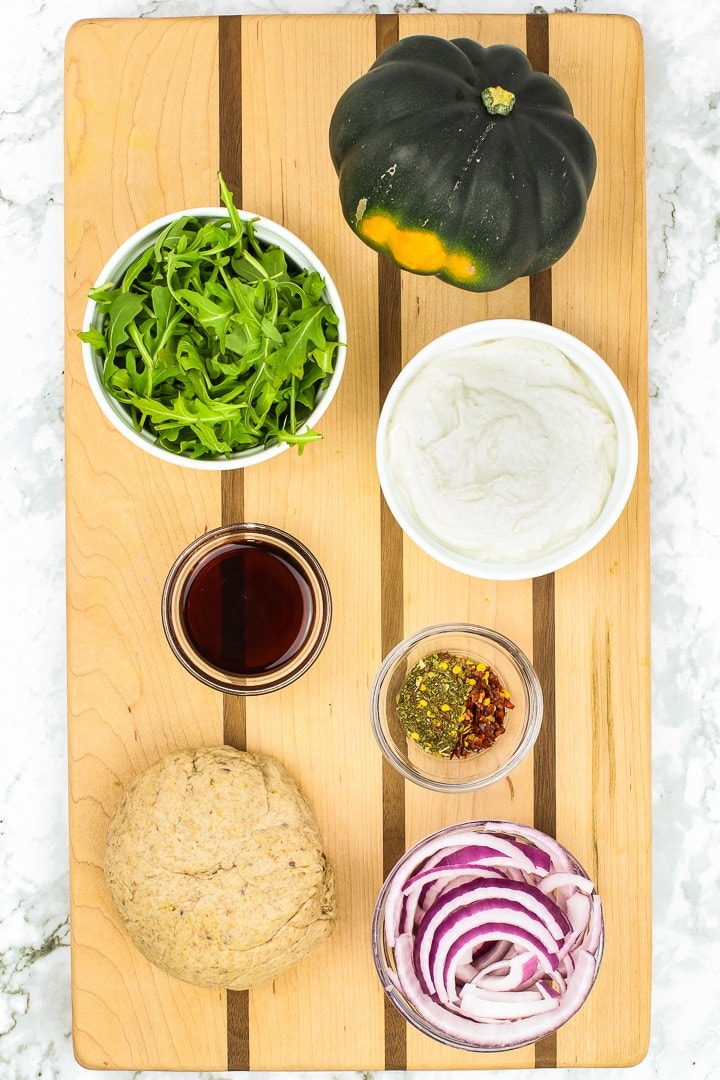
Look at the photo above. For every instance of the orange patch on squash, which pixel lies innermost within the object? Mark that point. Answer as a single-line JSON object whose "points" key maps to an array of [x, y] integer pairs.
{"points": [[418, 250]]}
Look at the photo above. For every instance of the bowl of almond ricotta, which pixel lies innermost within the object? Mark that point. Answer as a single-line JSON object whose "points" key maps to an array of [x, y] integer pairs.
{"points": [[507, 449]]}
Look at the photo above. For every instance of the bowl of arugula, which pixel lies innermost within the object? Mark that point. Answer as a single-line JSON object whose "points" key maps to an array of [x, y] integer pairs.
{"points": [[214, 338]]}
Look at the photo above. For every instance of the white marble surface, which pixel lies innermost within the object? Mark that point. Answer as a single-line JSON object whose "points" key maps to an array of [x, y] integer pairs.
{"points": [[683, 154]]}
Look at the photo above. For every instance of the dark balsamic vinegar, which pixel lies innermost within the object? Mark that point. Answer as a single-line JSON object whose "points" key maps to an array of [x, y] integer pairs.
{"points": [[247, 608]]}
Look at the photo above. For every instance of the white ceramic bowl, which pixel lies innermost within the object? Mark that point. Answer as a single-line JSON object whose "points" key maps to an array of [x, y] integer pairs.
{"points": [[267, 232], [606, 389]]}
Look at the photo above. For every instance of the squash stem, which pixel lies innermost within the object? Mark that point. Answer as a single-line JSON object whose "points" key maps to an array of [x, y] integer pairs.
{"points": [[497, 101]]}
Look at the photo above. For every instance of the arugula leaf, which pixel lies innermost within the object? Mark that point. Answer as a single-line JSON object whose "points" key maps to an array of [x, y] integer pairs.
{"points": [[122, 310], [94, 337], [214, 341]]}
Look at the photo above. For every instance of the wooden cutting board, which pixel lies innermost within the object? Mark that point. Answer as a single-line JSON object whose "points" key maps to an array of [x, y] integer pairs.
{"points": [[154, 107]]}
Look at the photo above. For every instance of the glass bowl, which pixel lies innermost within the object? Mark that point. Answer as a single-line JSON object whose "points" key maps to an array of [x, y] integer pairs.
{"points": [[477, 769], [403, 915], [246, 608]]}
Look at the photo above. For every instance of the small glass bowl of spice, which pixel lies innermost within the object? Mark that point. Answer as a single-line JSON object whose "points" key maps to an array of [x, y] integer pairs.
{"points": [[456, 707]]}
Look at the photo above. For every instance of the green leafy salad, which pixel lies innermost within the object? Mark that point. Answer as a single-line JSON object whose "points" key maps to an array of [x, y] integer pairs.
{"points": [[213, 342]]}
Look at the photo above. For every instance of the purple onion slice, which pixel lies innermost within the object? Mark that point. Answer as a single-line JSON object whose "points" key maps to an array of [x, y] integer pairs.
{"points": [[488, 935]]}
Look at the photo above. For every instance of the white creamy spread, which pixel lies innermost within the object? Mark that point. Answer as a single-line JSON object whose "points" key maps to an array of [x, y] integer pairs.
{"points": [[501, 450]]}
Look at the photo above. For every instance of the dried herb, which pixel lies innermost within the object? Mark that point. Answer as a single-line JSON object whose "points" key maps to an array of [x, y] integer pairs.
{"points": [[453, 706]]}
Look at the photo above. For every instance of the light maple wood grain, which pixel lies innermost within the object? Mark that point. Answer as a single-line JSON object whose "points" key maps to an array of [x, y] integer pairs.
{"points": [[140, 143], [328, 497], [602, 626], [142, 120]]}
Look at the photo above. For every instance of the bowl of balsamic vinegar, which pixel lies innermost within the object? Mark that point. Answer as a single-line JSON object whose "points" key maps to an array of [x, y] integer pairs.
{"points": [[246, 608]]}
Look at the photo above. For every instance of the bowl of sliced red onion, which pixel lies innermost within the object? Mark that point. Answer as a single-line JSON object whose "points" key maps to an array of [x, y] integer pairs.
{"points": [[488, 935]]}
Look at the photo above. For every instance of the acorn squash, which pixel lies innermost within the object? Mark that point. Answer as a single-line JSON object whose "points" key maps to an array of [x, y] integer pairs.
{"points": [[461, 161]]}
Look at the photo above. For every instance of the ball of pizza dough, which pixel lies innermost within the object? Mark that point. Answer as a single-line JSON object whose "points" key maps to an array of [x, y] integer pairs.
{"points": [[216, 865]]}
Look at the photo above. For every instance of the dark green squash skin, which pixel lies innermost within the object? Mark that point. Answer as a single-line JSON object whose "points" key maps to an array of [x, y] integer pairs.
{"points": [[412, 139]]}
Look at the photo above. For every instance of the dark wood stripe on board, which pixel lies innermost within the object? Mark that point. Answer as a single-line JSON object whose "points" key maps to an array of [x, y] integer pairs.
{"points": [[230, 164], [538, 51], [231, 481], [391, 546]]}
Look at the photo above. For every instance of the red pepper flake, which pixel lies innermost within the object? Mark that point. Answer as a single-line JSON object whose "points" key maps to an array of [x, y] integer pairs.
{"points": [[484, 717]]}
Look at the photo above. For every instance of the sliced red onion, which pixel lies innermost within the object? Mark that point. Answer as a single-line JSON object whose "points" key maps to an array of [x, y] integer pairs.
{"points": [[548, 989], [414, 859], [565, 884], [439, 935], [489, 900], [425, 886], [429, 875], [442, 978], [496, 934], [560, 859], [489, 953], [579, 908], [482, 1035], [500, 852], [512, 974], [483, 1005]]}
